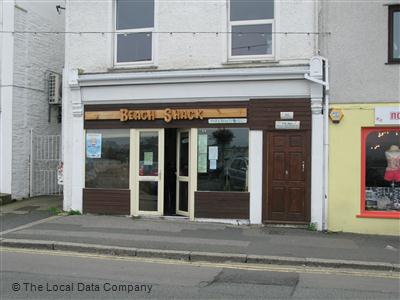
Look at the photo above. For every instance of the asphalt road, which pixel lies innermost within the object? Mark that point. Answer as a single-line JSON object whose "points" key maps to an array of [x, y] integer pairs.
{"points": [[39, 274]]}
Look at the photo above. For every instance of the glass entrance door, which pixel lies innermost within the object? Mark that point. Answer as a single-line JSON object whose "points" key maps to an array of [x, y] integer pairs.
{"points": [[182, 173], [149, 160]]}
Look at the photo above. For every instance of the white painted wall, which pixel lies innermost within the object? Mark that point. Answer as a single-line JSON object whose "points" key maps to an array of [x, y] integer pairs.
{"points": [[357, 49], [256, 175], [6, 95], [94, 52], [24, 105]]}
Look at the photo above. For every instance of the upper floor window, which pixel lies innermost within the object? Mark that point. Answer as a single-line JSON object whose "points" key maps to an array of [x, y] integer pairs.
{"points": [[394, 34], [134, 25], [251, 24]]}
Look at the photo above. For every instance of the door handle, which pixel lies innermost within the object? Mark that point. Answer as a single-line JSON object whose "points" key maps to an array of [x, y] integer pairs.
{"points": [[286, 172], [302, 166]]}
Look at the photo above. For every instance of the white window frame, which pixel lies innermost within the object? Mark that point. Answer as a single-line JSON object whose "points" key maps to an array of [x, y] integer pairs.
{"points": [[142, 63], [238, 58]]}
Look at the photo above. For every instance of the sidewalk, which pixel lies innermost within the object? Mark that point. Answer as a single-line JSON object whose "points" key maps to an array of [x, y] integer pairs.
{"points": [[240, 243], [21, 212]]}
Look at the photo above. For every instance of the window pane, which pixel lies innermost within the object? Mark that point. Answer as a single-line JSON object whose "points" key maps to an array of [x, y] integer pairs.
{"points": [[107, 159], [252, 39], [148, 191], [251, 9], [396, 34], [184, 154], [183, 196], [133, 14], [148, 154], [382, 177], [134, 47], [223, 159]]}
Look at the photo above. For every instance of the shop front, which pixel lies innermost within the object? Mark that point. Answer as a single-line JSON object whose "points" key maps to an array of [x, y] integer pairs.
{"points": [[193, 160], [205, 154], [365, 169]]}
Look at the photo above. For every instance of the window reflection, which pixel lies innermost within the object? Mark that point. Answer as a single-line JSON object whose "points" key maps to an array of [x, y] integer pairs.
{"points": [[222, 163], [109, 167], [382, 177]]}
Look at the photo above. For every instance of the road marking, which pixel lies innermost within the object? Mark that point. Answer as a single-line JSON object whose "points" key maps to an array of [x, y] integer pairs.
{"points": [[239, 266], [29, 225]]}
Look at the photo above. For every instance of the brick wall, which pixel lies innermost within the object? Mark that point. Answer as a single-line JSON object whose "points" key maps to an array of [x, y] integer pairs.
{"points": [[34, 55]]}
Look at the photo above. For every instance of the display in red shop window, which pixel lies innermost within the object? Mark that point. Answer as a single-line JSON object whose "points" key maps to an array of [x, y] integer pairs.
{"points": [[392, 173], [382, 177]]}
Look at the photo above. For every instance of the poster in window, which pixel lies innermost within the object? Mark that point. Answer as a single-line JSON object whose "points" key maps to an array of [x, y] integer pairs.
{"points": [[148, 158], [213, 164], [202, 163], [382, 176], [213, 152], [202, 143], [93, 145]]}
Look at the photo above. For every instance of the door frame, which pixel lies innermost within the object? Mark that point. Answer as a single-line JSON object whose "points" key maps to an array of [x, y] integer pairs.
{"points": [[182, 178], [265, 180], [135, 177]]}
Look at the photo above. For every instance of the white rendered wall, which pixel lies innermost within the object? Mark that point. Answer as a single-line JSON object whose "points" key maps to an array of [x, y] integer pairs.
{"points": [[255, 175], [94, 52], [6, 94], [357, 49], [34, 55]]}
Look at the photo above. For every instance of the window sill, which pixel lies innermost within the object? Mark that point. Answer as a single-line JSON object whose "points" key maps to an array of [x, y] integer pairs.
{"points": [[128, 68], [379, 215], [393, 62], [250, 62]]}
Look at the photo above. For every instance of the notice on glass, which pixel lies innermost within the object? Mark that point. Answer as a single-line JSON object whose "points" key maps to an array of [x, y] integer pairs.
{"points": [[203, 143], [93, 145], [202, 163], [213, 164], [213, 152], [148, 158]]}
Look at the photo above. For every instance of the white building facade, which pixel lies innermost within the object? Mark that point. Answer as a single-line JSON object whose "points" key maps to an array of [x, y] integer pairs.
{"points": [[207, 110], [29, 50]]}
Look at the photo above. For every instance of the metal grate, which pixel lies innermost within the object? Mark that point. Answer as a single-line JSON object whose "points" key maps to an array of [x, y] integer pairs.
{"points": [[45, 157]]}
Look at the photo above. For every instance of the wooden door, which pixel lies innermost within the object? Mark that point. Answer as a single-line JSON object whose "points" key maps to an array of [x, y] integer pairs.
{"points": [[287, 167]]}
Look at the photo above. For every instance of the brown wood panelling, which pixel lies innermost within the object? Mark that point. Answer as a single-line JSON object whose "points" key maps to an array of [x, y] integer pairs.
{"points": [[107, 201], [158, 123], [263, 113], [222, 205]]}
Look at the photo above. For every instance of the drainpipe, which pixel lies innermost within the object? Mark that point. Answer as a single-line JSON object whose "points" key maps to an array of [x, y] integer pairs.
{"points": [[326, 147], [324, 82]]}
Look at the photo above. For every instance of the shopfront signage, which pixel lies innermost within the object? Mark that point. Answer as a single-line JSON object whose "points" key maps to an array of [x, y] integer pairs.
{"points": [[228, 121], [170, 114], [388, 115], [287, 115], [287, 125]]}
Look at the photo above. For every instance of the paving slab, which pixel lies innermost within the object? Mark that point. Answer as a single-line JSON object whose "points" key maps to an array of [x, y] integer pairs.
{"points": [[254, 244]]}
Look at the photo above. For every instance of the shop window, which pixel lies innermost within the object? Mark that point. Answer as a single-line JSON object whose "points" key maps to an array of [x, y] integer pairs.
{"points": [[394, 34], [134, 24], [380, 172], [223, 159], [251, 25], [107, 159]]}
